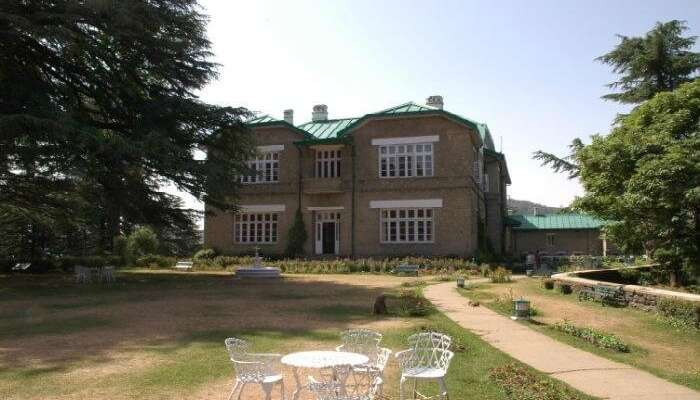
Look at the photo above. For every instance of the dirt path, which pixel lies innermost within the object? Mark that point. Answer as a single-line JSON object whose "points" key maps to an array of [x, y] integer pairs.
{"points": [[584, 371]]}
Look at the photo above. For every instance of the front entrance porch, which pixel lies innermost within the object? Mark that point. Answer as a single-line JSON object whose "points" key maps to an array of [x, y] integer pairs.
{"points": [[327, 234]]}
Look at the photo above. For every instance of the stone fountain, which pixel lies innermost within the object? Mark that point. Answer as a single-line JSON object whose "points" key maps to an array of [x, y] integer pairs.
{"points": [[257, 270]]}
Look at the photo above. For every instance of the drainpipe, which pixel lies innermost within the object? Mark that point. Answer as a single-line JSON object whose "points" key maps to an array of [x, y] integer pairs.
{"points": [[352, 204]]}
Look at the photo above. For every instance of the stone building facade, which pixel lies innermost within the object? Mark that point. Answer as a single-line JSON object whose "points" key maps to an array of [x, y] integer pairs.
{"points": [[558, 234], [409, 180]]}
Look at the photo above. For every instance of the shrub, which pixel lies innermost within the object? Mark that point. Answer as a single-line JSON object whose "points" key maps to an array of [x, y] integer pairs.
{"points": [[485, 270], [297, 236], [565, 289], [548, 284], [679, 313], [154, 261], [630, 276], [500, 275], [413, 304], [597, 338], [204, 254], [120, 247], [521, 383], [142, 241]]}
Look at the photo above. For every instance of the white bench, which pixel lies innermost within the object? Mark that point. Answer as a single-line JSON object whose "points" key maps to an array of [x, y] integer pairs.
{"points": [[183, 266], [21, 266], [407, 269]]}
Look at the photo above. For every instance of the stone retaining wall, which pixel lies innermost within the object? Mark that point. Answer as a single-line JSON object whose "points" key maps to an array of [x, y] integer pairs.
{"points": [[636, 296]]}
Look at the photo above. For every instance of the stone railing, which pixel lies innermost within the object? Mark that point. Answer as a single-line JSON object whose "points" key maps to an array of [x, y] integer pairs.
{"points": [[642, 297]]}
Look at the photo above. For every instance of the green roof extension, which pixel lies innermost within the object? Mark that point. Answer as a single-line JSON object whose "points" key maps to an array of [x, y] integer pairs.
{"points": [[267, 120], [328, 129], [556, 222]]}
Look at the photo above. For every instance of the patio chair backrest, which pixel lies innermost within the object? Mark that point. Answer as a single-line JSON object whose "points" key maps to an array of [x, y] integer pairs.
{"points": [[237, 348], [430, 350], [329, 386], [363, 341], [429, 340]]}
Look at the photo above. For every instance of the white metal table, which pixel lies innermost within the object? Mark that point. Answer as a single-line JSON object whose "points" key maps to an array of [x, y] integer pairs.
{"points": [[319, 360]]}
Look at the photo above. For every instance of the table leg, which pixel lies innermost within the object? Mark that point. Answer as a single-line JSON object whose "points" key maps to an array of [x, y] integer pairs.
{"points": [[297, 380]]}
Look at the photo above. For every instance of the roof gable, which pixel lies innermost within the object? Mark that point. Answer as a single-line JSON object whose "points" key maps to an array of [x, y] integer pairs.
{"points": [[557, 221]]}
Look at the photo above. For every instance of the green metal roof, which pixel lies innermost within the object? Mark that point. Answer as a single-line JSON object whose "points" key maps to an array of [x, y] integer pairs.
{"points": [[557, 221], [266, 120], [328, 129], [262, 119], [407, 107]]}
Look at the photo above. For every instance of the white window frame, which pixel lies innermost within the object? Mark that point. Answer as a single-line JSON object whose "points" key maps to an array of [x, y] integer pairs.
{"points": [[416, 160], [551, 239], [266, 166], [328, 163], [256, 228], [407, 225]]}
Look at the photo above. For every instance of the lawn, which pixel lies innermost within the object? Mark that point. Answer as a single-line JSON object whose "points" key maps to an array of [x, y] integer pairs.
{"points": [[159, 335], [668, 352]]}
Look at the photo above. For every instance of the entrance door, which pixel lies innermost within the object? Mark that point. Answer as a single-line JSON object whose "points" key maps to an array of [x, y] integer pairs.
{"points": [[328, 237], [327, 233]]}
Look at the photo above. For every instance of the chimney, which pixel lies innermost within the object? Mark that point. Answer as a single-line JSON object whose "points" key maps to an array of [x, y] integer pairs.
{"points": [[435, 101], [320, 113], [289, 116]]}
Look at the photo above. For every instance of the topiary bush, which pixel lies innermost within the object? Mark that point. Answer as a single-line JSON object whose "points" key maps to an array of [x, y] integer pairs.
{"points": [[500, 275], [204, 254], [297, 236], [548, 284], [565, 289]]}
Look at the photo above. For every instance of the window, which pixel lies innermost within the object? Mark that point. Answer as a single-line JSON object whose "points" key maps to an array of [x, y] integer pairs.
{"points": [[255, 228], [486, 183], [550, 239], [265, 168], [327, 163], [407, 225], [406, 160]]}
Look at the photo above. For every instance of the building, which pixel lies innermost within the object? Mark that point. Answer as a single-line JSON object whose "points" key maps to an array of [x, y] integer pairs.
{"points": [[411, 179], [558, 234]]}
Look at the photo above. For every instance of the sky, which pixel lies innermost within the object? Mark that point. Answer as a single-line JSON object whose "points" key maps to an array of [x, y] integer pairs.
{"points": [[527, 69]]}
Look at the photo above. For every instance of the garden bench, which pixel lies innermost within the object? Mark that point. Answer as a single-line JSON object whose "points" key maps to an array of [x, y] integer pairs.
{"points": [[603, 293], [21, 266], [407, 269], [184, 266]]}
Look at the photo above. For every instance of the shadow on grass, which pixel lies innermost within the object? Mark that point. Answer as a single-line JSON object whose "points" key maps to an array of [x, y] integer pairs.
{"points": [[51, 320]]}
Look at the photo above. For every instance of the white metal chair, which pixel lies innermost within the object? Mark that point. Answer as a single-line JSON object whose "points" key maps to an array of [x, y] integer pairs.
{"points": [[82, 274], [332, 386], [260, 369], [427, 358], [106, 274], [365, 341]]}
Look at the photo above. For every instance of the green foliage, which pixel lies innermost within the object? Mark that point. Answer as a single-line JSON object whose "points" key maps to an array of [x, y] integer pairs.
{"points": [[597, 338], [548, 284], [645, 176], [630, 276], [660, 61], [98, 113], [413, 304], [204, 254], [120, 247], [500, 275], [297, 236], [565, 288], [142, 241], [521, 383], [678, 313], [154, 261]]}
